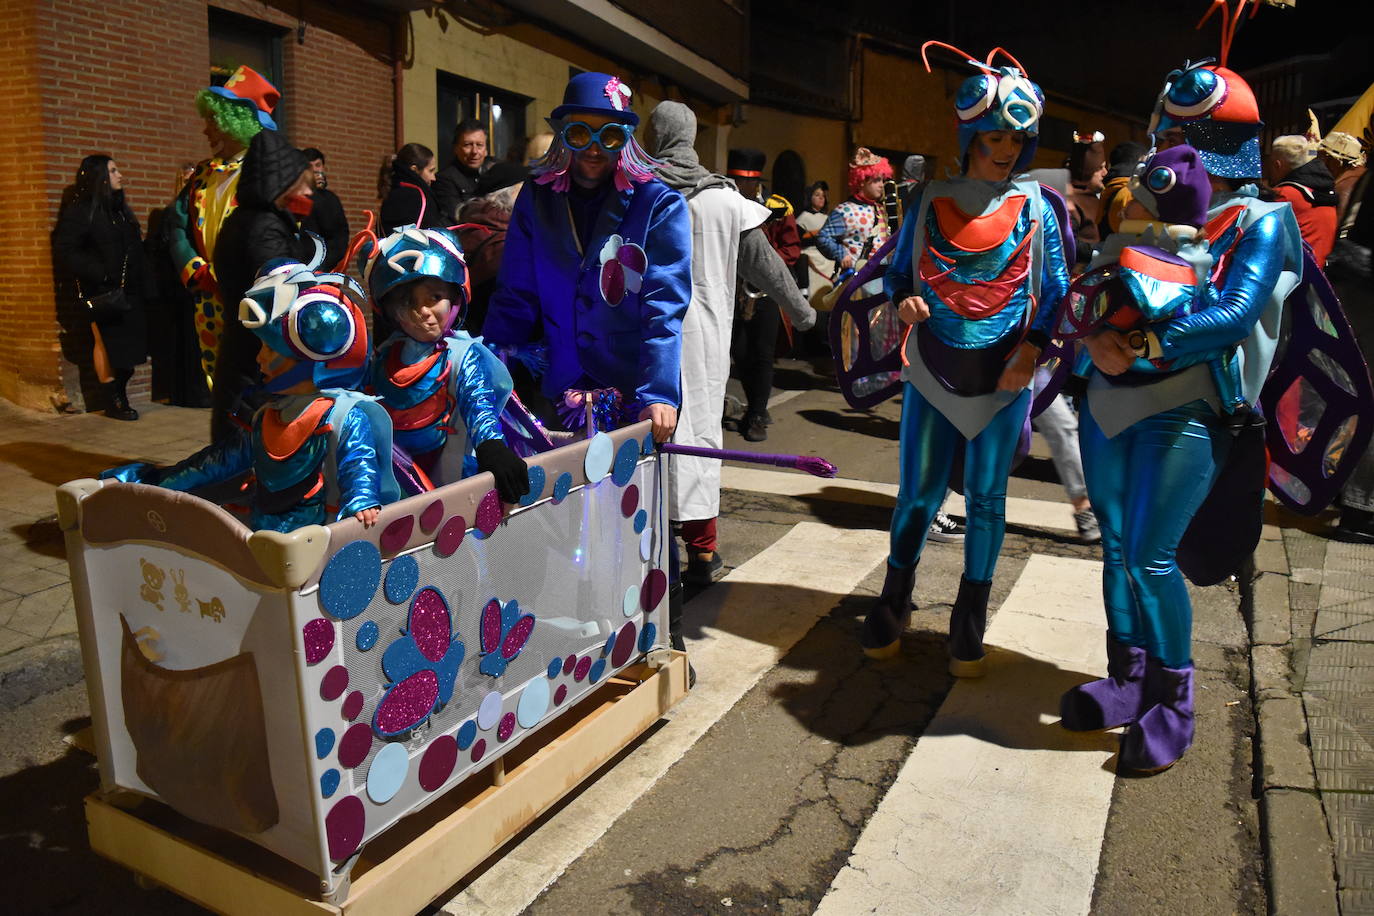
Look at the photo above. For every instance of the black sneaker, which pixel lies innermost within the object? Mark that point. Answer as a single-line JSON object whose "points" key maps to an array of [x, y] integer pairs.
{"points": [[1356, 526], [754, 428], [702, 572], [945, 529]]}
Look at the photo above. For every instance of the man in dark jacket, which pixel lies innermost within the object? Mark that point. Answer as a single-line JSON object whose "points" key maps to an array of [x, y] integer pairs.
{"points": [[327, 218], [457, 181], [275, 187]]}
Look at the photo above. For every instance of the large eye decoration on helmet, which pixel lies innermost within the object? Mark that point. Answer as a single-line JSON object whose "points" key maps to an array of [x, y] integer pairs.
{"points": [[1161, 179], [976, 95], [1020, 103], [1195, 94], [319, 327]]}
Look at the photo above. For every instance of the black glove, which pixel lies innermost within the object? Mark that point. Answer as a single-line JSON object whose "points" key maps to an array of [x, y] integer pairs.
{"points": [[512, 477]]}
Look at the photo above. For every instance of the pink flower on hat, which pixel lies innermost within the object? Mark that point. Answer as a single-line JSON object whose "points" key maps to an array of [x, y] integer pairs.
{"points": [[622, 269], [618, 93]]}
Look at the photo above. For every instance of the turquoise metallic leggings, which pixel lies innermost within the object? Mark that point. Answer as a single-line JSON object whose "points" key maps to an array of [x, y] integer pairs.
{"points": [[1145, 485], [928, 441]]}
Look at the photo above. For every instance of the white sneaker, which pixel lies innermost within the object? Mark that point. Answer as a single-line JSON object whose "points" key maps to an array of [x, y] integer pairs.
{"points": [[945, 529], [1088, 530]]}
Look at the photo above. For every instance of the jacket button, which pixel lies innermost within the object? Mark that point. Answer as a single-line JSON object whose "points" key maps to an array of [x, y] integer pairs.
{"points": [[585, 340], [584, 303]]}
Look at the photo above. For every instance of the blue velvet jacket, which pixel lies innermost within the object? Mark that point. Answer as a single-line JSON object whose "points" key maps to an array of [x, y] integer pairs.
{"points": [[611, 312]]}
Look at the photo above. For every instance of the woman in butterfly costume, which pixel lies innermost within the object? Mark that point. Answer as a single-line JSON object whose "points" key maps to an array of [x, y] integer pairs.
{"points": [[1180, 314], [977, 271]]}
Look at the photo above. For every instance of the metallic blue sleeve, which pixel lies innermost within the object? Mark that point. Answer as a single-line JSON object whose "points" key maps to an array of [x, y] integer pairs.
{"points": [[1054, 272], [356, 466], [898, 278], [1256, 264], [828, 240], [473, 396], [664, 294], [215, 463], [514, 311]]}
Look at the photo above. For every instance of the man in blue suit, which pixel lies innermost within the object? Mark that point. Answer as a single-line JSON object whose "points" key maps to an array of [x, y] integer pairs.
{"points": [[597, 268]]}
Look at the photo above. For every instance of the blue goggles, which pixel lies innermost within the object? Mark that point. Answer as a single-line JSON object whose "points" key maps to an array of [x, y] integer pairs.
{"points": [[612, 137]]}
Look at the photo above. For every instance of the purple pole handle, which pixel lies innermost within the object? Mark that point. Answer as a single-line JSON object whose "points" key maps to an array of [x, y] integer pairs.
{"points": [[808, 463]]}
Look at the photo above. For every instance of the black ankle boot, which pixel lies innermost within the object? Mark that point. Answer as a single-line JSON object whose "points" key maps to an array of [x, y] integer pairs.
{"points": [[967, 623], [881, 636], [117, 400]]}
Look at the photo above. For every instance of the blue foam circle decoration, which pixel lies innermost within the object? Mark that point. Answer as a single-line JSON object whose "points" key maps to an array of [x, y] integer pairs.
{"points": [[534, 702], [324, 742], [598, 669], [562, 486], [610, 644], [555, 668], [631, 601], [387, 773], [350, 580], [647, 636], [329, 782], [641, 519], [467, 733], [401, 579], [537, 478], [648, 447], [626, 460], [367, 635], [597, 462]]}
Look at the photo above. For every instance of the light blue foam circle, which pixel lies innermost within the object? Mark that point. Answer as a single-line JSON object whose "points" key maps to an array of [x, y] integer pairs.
{"points": [[387, 773], [646, 544], [490, 711], [632, 601], [350, 580], [534, 702], [600, 453], [401, 578]]}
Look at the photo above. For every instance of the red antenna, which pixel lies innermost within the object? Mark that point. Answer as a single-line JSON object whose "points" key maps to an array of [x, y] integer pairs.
{"points": [[940, 44], [365, 235], [1230, 22], [1007, 54]]}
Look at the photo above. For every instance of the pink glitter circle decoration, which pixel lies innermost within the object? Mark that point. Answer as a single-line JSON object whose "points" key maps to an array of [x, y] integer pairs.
{"points": [[624, 645], [584, 664], [318, 635], [344, 826], [432, 516], [478, 749], [437, 763], [569, 663], [355, 744], [335, 682], [507, 727], [489, 513], [560, 694], [397, 534], [629, 500], [430, 624], [352, 705], [654, 588], [450, 536], [407, 704]]}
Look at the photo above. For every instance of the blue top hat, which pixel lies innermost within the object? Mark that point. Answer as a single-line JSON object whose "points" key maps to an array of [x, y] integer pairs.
{"points": [[597, 93]]}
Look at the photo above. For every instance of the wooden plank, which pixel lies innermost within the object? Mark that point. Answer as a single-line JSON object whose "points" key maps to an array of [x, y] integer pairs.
{"points": [[421, 857], [187, 869]]}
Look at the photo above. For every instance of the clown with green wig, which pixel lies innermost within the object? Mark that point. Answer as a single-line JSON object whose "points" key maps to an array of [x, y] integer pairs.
{"points": [[234, 113]]}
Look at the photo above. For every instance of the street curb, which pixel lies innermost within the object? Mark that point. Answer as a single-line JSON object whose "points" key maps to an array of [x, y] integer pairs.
{"points": [[38, 669], [1299, 856]]}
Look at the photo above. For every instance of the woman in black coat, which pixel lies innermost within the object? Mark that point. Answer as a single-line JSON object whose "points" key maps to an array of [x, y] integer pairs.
{"points": [[405, 190], [98, 246], [275, 185]]}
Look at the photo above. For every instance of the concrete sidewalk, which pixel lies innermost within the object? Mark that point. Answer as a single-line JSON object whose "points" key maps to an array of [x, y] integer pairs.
{"points": [[38, 452], [1313, 667]]}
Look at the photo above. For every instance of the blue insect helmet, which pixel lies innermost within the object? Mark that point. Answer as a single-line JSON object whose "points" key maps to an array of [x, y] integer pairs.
{"points": [[411, 253], [315, 318], [999, 98]]}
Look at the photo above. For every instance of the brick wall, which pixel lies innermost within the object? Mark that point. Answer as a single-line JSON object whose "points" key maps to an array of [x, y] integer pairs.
{"points": [[120, 77]]}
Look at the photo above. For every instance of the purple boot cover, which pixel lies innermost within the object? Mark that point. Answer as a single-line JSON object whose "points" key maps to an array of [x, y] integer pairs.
{"points": [[887, 619], [1165, 729], [1112, 701]]}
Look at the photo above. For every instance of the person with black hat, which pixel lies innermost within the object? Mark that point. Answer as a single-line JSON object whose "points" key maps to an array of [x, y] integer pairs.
{"points": [[597, 268], [482, 225]]}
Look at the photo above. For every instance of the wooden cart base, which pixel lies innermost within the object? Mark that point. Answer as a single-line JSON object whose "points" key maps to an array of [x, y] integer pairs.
{"points": [[419, 858]]}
